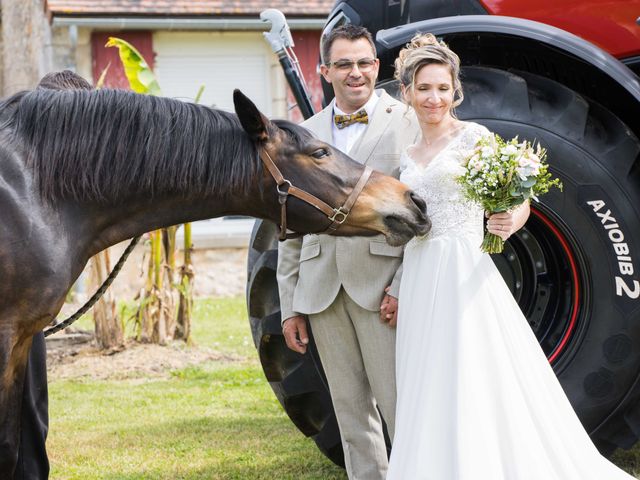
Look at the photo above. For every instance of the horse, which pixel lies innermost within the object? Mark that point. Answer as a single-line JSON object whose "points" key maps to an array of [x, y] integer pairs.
{"points": [[83, 170]]}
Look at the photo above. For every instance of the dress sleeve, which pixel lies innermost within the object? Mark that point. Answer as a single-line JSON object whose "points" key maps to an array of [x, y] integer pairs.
{"points": [[468, 139], [404, 160], [472, 134]]}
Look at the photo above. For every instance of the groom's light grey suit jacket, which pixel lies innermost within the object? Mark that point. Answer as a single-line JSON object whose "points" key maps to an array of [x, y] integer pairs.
{"points": [[312, 269]]}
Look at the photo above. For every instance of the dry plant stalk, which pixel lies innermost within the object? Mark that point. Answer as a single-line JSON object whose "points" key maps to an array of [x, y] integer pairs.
{"points": [[156, 311], [108, 326], [185, 290]]}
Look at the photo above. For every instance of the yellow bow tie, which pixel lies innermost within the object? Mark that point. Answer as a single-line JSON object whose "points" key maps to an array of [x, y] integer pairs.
{"points": [[346, 120]]}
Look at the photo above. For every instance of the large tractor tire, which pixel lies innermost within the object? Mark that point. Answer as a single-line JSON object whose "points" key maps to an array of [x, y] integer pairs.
{"points": [[572, 269], [297, 380]]}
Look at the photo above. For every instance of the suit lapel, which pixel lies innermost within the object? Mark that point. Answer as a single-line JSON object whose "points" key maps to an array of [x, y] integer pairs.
{"points": [[323, 124], [379, 122]]}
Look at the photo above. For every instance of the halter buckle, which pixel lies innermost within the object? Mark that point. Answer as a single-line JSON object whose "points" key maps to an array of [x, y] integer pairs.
{"points": [[283, 194], [335, 217]]}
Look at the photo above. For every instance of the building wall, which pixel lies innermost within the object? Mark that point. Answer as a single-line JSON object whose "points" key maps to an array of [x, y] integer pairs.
{"points": [[236, 45], [71, 50], [63, 48], [30, 47], [82, 50]]}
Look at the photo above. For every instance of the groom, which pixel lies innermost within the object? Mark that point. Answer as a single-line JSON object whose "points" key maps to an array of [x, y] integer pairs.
{"points": [[338, 283]]}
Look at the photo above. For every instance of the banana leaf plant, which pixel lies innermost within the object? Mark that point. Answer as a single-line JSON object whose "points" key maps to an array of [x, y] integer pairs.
{"points": [[155, 317]]}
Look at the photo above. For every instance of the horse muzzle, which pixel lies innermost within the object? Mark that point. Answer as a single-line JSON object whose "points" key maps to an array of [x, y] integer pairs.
{"points": [[390, 207], [403, 225]]}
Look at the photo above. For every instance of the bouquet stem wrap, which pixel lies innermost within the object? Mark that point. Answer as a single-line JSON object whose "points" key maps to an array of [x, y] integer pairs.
{"points": [[492, 243]]}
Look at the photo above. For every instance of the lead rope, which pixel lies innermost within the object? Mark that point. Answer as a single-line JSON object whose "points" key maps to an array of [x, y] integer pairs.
{"points": [[96, 296]]}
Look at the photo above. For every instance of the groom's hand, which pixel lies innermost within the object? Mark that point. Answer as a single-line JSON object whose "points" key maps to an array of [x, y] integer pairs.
{"points": [[389, 309], [295, 333]]}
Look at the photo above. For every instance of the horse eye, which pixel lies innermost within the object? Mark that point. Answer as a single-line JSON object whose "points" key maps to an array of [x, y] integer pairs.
{"points": [[320, 153]]}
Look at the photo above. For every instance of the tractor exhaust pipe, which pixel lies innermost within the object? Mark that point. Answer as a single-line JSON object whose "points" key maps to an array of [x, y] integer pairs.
{"points": [[279, 37]]}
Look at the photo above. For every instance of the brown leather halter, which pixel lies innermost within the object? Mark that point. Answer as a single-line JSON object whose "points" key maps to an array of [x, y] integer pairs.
{"points": [[337, 215]]}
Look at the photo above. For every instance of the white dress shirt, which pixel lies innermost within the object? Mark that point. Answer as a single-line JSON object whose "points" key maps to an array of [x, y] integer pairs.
{"points": [[345, 138]]}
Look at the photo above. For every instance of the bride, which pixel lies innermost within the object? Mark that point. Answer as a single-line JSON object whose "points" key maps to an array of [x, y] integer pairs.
{"points": [[477, 398]]}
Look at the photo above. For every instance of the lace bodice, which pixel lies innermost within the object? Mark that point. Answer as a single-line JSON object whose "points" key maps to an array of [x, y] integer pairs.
{"points": [[450, 212]]}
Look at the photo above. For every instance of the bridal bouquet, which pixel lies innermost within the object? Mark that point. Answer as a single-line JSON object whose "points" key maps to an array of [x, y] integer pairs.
{"points": [[501, 175]]}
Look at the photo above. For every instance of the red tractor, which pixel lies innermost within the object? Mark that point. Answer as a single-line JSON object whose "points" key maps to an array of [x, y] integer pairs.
{"points": [[564, 73]]}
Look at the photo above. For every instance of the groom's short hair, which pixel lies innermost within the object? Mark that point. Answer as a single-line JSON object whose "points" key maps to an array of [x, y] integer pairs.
{"points": [[348, 32]]}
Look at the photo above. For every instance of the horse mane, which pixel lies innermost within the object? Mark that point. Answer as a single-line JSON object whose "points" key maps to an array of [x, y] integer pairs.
{"points": [[108, 145]]}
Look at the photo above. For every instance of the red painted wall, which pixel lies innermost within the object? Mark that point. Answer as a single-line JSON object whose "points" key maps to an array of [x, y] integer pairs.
{"points": [[103, 56], [307, 49]]}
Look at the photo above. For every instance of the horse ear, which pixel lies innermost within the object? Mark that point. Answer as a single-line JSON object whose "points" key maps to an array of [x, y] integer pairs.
{"points": [[252, 120]]}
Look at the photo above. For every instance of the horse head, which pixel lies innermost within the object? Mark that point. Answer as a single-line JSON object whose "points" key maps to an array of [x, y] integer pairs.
{"points": [[338, 196]]}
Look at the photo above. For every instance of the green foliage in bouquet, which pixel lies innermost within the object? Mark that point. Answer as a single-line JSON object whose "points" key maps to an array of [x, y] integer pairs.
{"points": [[500, 175]]}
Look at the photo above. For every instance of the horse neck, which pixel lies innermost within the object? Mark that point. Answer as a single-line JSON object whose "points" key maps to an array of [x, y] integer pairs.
{"points": [[111, 224]]}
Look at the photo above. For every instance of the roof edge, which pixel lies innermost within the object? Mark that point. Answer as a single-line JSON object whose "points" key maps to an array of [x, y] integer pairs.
{"points": [[181, 23]]}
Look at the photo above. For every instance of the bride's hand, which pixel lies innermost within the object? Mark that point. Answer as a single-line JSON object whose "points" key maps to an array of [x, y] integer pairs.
{"points": [[505, 224], [501, 224], [389, 309]]}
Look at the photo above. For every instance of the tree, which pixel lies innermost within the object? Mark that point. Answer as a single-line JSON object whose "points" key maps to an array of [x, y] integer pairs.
{"points": [[26, 35]]}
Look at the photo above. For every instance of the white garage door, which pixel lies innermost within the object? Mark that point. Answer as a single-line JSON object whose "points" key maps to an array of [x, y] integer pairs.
{"points": [[221, 61]]}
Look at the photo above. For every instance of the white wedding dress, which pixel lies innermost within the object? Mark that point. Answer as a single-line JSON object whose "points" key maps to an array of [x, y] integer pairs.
{"points": [[477, 398]]}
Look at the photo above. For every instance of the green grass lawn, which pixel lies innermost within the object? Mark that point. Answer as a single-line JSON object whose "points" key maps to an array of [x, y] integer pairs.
{"points": [[218, 420]]}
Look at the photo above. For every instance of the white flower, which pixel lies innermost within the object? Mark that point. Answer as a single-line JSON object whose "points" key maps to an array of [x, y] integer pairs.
{"points": [[522, 173], [527, 169], [509, 150], [486, 152]]}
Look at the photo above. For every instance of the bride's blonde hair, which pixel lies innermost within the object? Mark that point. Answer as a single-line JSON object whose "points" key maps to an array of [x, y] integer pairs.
{"points": [[425, 49]]}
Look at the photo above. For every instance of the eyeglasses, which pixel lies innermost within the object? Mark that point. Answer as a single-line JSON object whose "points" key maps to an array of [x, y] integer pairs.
{"points": [[364, 64]]}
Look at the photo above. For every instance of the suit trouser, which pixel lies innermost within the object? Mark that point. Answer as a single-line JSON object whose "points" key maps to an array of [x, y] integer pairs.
{"points": [[33, 463], [358, 356]]}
